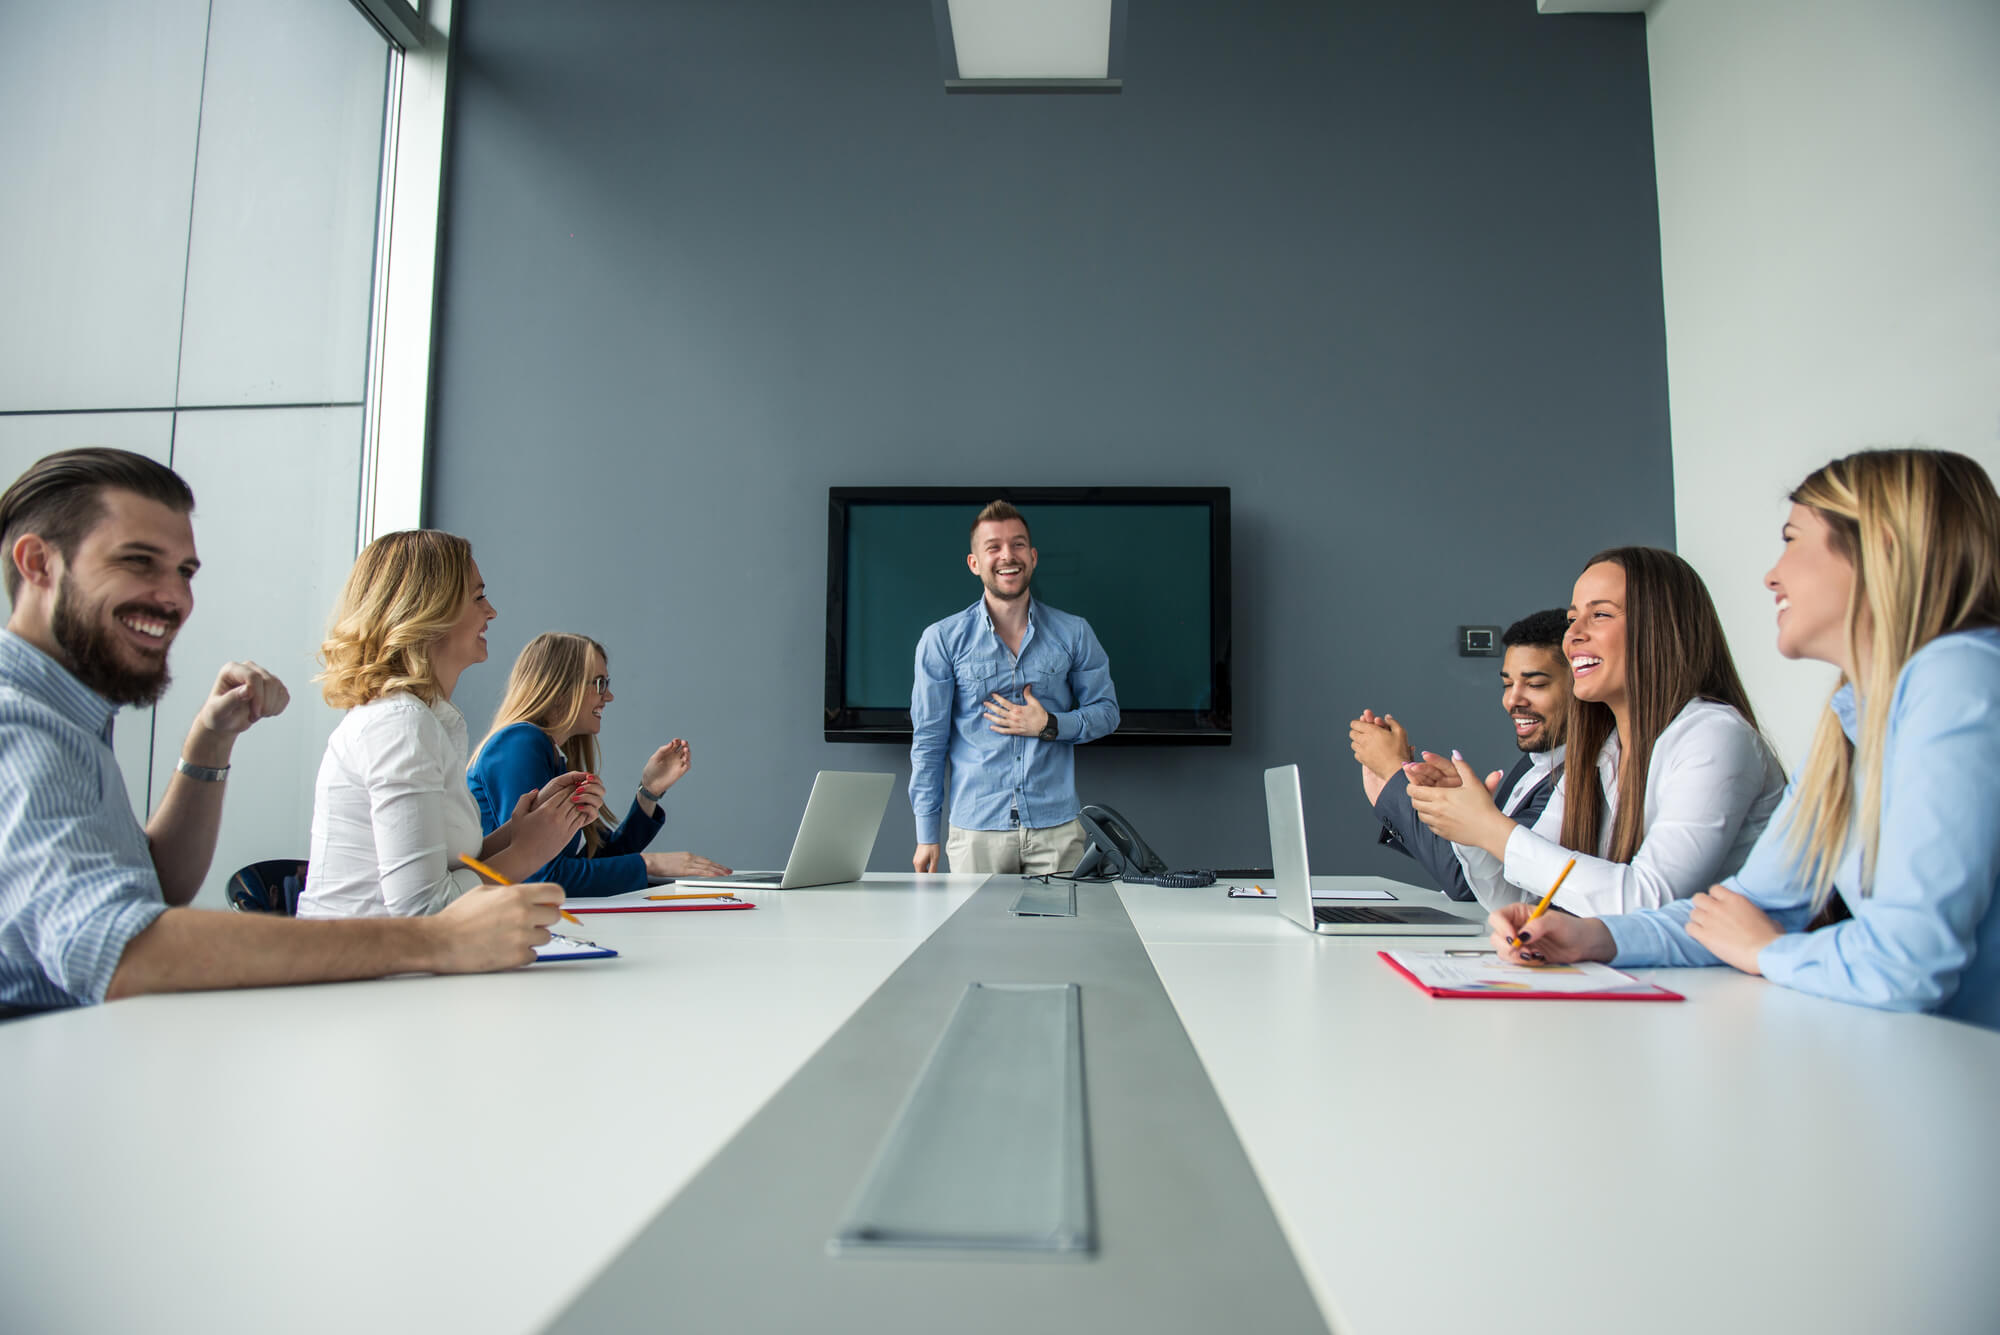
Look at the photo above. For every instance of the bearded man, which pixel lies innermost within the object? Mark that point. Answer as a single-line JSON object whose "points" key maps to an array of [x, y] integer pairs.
{"points": [[1005, 690]]}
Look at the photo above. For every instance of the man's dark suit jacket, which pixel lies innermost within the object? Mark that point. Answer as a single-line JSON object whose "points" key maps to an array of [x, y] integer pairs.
{"points": [[1404, 832]]}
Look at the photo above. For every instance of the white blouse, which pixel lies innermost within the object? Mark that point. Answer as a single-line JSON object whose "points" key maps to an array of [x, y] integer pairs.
{"points": [[391, 813], [1711, 787]]}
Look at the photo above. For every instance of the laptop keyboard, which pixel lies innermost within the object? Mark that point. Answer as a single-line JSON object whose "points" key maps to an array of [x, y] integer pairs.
{"points": [[1404, 917]]}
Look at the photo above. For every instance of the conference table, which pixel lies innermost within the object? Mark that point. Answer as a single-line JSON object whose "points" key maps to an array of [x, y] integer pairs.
{"points": [[546, 1148]]}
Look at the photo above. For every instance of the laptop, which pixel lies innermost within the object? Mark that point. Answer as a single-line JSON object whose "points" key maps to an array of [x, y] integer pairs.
{"points": [[835, 837], [1293, 879]]}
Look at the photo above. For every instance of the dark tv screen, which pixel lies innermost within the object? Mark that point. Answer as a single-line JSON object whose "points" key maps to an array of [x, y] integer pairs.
{"points": [[1147, 567]]}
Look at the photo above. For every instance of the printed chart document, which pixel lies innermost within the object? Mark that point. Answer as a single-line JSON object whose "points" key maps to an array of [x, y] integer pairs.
{"points": [[651, 900], [570, 948], [1464, 973]]}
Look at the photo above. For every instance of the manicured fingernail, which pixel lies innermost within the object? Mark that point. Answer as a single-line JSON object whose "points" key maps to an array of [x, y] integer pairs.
{"points": [[1523, 936], [1456, 756]]}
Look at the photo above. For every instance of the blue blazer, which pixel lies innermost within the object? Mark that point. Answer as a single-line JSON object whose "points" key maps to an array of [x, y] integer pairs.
{"points": [[519, 759]]}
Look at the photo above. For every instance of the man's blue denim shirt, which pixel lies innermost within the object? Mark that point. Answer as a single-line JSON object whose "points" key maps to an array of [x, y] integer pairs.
{"points": [[1000, 781]]}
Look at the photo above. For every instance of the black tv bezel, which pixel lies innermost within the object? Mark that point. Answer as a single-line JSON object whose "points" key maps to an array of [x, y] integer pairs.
{"points": [[1136, 727]]}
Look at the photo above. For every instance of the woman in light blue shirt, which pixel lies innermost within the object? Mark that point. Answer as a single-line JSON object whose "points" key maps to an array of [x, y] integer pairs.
{"points": [[1891, 572]]}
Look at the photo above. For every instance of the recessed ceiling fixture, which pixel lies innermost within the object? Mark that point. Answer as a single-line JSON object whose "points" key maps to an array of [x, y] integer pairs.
{"points": [[1031, 46]]}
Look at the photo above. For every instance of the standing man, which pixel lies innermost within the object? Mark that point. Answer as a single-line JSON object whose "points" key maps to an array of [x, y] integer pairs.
{"points": [[1006, 689], [100, 567], [1535, 692]]}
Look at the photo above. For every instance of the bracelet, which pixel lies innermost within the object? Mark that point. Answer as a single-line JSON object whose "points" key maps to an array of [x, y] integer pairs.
{"points": [[202, 772], [650, 795]]}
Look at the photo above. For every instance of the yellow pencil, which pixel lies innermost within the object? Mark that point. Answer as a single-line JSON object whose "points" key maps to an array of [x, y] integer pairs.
{"points": [[498, 879], [1543, 907], [705, 894]]}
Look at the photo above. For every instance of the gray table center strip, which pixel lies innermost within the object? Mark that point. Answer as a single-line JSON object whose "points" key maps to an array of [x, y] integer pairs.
{"points": [[1007, 1076], [1047, 899], [1186, 1241]]}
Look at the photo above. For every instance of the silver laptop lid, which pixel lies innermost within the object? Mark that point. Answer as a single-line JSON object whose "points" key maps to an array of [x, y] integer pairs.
{"points": [[1285, 811], [837, 834]]}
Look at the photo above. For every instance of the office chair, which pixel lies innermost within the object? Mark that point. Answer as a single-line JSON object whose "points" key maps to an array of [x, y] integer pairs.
{"points": [[268, 887]]}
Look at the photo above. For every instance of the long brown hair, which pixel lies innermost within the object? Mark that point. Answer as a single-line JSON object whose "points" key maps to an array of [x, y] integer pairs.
{"points": [[1922, 530], [546, 688], [1675, 652]]}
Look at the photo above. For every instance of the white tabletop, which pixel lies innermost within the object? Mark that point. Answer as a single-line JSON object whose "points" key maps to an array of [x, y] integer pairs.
{"points": [[468, 1153], [414, 1154], [1748, 1160]]}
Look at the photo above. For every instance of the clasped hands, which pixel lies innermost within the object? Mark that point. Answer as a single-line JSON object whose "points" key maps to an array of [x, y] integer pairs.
{"points": [[1456, 804], [549, 818], [1381, 746]]}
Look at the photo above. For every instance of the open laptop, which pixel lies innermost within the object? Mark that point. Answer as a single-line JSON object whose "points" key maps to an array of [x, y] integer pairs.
{"points": [[1293, 879], [835, 837]]}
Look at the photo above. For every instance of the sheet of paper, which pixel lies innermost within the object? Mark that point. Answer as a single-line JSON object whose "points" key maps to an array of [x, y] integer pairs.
{"points": [[1464, 972], [648, 899], [569, 948]]}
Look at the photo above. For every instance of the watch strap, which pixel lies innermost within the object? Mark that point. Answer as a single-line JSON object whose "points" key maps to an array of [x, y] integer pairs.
{"points": [[205, 773]]}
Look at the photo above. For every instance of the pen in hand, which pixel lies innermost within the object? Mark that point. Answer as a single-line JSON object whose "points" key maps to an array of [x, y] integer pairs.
{"points": [[498, 879], [1543, 907]]}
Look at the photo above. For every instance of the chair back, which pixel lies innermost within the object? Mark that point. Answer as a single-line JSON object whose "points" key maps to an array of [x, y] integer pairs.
{"points": [[272, 886]]}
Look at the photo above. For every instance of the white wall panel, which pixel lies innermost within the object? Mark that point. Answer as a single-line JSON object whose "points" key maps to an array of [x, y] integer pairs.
{"points": [[26, 439], [284, 205], [1829, 178], [99, 101], [275, 496]]}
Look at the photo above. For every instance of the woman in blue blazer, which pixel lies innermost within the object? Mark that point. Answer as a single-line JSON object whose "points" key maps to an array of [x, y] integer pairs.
{"points": [[547, 725]]}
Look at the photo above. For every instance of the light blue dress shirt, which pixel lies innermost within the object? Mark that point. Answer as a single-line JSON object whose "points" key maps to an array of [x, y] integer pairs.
{"points": [[1925, 937], [76, 873], [999, 781]]}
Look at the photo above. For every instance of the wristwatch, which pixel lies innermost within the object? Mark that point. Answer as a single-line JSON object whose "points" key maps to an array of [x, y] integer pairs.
{"points": [[1048, 733], [650, 795]]}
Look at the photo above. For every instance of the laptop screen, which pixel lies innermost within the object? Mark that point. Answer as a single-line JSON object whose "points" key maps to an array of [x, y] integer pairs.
{"points": [[1291, 877]]}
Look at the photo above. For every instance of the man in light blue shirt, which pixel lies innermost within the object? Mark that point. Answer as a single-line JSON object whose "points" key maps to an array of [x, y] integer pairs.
{"points": [[99, 567], [1005, 690]]}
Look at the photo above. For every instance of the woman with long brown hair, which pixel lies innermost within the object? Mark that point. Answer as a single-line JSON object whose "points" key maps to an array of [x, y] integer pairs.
{"points": [[1667, 782], [547, 724], [1890, 572]]}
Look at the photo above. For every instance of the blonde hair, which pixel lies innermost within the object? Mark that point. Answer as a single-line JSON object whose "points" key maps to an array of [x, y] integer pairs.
{"points": [[405, 592], [546, 688], [1922, 530]]}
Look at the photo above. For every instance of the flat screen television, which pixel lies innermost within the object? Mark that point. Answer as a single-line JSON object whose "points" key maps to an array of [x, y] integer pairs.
{"points": [[1148, 567]]}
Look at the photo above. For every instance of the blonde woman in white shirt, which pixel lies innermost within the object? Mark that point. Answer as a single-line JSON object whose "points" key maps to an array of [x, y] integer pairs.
{"points": [[391, 812], [1659, 712]]}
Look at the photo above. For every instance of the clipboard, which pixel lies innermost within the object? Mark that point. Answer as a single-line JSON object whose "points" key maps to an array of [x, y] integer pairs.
{"points": [[1511, 982]]}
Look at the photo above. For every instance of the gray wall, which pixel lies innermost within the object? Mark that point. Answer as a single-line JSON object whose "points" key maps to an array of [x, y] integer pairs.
{"points": [[1391, 272]]}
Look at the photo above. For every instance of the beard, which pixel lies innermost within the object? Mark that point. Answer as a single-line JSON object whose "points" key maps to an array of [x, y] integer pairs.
{"points": [[992, 583], [1545, 738], [85, 637]]}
